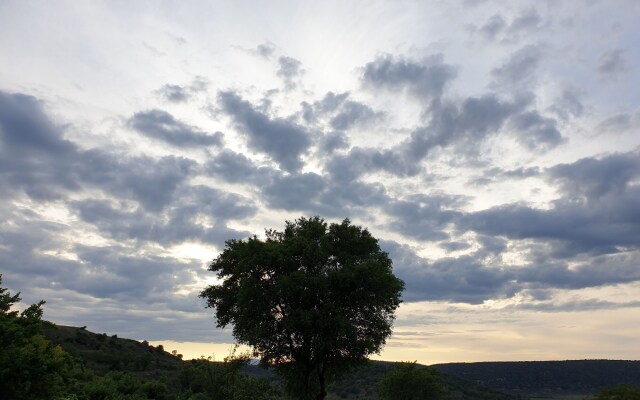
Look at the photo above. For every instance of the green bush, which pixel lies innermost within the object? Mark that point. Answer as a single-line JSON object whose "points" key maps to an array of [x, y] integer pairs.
{"points": [[408, 382]]}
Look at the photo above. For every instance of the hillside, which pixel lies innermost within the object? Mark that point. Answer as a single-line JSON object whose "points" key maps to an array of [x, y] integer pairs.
{"points": [[547, 378], [103, 353], [464, 381]]}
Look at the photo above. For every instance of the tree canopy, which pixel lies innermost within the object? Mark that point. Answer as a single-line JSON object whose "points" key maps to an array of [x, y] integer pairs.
{"points": [[313, 300]]}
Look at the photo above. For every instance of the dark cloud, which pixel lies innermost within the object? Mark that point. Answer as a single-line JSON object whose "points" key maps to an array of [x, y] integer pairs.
{"points": [[574, 305], [424, 217], [455, 245], [620, 123], [493, 27], [340, 111], [333, 141], [161, 125], [594, 178], [464, 125], [497, 28], [424, 79], [283, 140], [496, 174], [353, 113], [525, 22], [174, 93], [265, 50], [322, 195], [37, 159], [611, 63], [330, 102], [536, 132], [236, 168], [519, 68], [199, 215], [289, 70], [34, 156], [598, 213], [464, 279], [470, 279], [569, 104], [295, 191]]}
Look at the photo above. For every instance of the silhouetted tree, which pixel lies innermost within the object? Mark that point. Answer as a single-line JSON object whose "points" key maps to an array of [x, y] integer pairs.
{"points": [[313, 301]]}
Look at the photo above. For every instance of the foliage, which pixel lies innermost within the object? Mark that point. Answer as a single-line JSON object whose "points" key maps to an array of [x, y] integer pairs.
{"points": [[121, 386], [408, 382], [313, 300], [31, 367], [622, 392], [223, 381]]}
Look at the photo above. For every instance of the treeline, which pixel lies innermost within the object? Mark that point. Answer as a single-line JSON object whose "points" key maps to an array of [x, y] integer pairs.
{"points": [[538, 377]]}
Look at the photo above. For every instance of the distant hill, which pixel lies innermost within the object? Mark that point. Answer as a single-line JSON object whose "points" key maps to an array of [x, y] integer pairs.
{"points": [[546, 378], [463, 381]]}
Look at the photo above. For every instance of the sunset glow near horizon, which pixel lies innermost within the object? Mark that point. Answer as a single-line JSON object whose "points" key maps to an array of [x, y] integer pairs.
{"points": [[492, 146]]}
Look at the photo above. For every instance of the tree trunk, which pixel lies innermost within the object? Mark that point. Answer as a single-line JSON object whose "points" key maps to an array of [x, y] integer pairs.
{"points": [[323, 392]]}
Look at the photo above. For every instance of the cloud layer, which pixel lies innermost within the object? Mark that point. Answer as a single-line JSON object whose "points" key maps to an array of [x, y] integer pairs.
{"points": [[498, 163]]}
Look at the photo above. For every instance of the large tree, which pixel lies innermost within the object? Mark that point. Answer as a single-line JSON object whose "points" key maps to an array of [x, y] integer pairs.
{"points": [[313, 300]]}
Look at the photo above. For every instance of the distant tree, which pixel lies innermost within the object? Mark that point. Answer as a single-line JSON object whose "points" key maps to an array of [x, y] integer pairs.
{"points": [[622, 392], [409, 382], [313, 300]]}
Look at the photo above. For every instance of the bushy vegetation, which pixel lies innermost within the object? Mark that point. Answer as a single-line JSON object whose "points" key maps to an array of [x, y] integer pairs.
{"points": [[408, 382], [622, 392], [34, 368]]}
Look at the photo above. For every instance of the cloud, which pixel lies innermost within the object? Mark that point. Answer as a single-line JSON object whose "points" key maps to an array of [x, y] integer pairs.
{"points": [[593, 178], [236, 168], [497, 28], [282, 139], [520, 68], [426, 79], [199, 215], [422, 217], [322, 195], [569, 104], [289, 70], [34, 155], [464, 279], [525, 22], [174, 93], [464, 124], [353, 113], [596, 215], [620, 123], [495, 174], [37, 159], [340, 111], [612, 62], [492, 27], [161, 125], [471, 279], [265, 50], [536, 132], [333, 141]]}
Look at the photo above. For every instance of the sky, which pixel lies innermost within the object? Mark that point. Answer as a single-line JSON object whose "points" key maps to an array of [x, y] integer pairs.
{"points": [[492, 147]]}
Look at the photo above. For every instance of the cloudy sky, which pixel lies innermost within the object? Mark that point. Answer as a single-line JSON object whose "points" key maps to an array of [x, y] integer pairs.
{"points": [[492, 146]]}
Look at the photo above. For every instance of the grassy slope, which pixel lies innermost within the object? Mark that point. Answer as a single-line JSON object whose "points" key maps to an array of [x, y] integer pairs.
{"points": [[480, 381]]}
